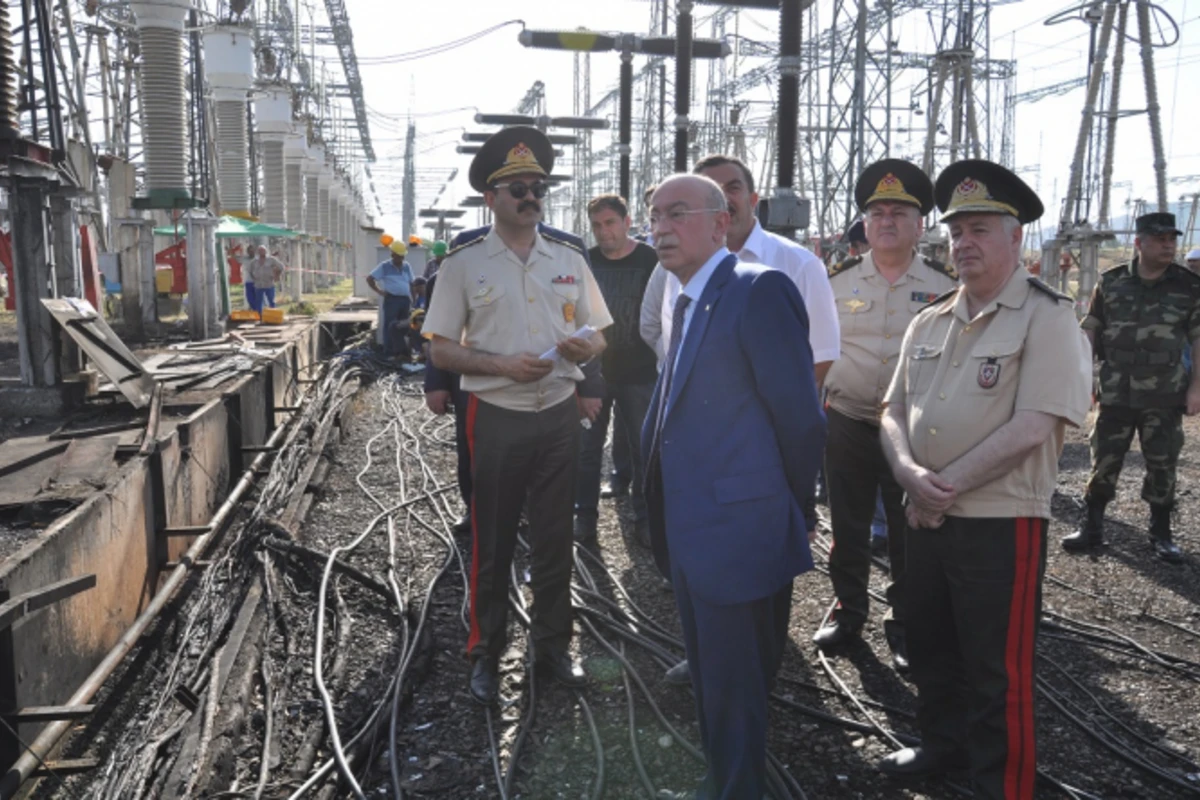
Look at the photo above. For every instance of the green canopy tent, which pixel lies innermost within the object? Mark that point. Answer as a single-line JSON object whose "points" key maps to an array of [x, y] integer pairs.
{"points": [[230, 228]]}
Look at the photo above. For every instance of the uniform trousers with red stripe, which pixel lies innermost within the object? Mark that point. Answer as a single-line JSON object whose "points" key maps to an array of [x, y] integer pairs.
{"points": [[522, 459], [975, 598]]}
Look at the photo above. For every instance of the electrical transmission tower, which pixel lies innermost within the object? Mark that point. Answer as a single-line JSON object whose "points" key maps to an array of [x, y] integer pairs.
{"points": [[1080, 234]]}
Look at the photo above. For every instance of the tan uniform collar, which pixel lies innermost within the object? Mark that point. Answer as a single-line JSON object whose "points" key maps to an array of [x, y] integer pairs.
{"points": [[1013, 295], [909, 272], [495, 245]]}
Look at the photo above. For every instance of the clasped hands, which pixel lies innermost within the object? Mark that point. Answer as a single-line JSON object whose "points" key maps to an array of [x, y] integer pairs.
{"points": [[929, 497]]}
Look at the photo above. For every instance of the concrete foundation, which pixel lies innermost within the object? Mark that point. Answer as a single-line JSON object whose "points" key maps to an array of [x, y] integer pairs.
{"points": [[116, 533]]}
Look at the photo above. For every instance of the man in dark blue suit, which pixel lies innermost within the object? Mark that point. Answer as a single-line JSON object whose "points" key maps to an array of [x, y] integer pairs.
{"points": [[731, 442]]}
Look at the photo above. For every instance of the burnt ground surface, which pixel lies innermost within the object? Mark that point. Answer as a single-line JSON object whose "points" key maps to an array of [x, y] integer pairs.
{"points": [[1121, 623]]}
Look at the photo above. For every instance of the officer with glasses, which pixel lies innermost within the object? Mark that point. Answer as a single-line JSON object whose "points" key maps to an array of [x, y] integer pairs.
{"points": [[508, 316]]}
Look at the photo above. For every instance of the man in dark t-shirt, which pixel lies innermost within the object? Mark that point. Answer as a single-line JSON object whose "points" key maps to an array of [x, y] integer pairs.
{"points": [[622, 267]]}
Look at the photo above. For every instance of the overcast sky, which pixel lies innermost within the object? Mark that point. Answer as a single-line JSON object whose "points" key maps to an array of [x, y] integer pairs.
{"points": [[494, 72]]}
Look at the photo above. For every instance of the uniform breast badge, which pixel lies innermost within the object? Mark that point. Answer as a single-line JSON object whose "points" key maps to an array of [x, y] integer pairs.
{"points": [[854, 305], [568, 312], [989, 373]]}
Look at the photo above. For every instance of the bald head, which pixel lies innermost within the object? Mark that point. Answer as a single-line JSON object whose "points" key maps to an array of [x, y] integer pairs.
{"points": [[262, 251], [689, 218]]}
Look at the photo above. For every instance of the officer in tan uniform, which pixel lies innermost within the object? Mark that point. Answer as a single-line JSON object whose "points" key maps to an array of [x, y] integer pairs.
{"points": [[877, 296], [990, 375], [504, 300]]}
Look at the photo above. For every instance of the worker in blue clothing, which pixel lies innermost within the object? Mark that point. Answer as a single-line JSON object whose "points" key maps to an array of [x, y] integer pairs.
{"points": [[392, 280]]}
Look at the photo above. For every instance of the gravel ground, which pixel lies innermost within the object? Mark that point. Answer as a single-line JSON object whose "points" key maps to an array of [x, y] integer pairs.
{"points": [[443, 736], [444, 742]]}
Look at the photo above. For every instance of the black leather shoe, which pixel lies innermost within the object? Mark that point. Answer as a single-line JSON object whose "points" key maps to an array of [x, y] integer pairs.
{"points": [[611, 490], [585, 529], [836, 634], [1167, 550], [899, 649], [641, 533], [1090, 533], [917, 762], [679, 675], [1161, 536], [463, 524], [485, 681], [563, 669]]}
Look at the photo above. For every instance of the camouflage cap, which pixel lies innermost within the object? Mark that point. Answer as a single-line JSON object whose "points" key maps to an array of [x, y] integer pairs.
{"points": [[1157, 222]]}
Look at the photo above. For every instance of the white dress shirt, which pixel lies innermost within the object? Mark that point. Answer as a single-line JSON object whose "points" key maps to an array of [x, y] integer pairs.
{"points": [[805, 270], [694, 289]]}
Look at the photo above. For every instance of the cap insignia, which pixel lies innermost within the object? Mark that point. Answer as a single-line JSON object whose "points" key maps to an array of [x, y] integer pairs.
{"points": [[971, 191], [520, 154], [889, 185]]}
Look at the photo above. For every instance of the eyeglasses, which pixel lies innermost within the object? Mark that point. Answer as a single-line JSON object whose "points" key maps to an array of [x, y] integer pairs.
{"points": [[677, 216], [519, 189]]}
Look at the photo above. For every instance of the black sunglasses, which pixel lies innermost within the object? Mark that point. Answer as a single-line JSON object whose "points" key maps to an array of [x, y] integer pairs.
{"points": [[518, 189]]}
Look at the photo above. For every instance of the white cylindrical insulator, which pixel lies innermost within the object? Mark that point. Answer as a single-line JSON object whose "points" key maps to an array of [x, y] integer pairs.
{"points": [[164, 128], [274, 181], [312, 210], [335, 199], [273, 110], [323, 212], [233, 156], [229, 58], [295, 196]]}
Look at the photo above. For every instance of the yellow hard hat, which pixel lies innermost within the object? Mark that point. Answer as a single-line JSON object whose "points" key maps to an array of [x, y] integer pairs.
{"points": [[399, 248]]}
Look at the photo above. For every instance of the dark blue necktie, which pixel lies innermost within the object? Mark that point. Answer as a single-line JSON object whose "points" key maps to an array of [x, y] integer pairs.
{"points": [[681, 304]]}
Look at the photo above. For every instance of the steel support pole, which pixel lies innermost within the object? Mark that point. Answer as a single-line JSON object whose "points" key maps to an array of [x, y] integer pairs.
{"points": [[683, 82], [68, 275], [1152, 107], [625, 121], [1074, 188], [1114, 106], [33, 279]]}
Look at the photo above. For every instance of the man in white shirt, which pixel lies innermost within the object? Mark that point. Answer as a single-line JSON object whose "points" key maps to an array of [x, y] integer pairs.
{"points": [[754, 245]]}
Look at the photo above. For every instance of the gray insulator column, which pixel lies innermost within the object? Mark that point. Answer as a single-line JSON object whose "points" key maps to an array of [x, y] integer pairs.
{"points": [[274, 182], [295, 196], [233, 158], [164, 132]]}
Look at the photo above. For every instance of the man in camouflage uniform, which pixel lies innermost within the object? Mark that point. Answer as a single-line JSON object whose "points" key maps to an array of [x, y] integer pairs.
{"points": [[1142, 316]]}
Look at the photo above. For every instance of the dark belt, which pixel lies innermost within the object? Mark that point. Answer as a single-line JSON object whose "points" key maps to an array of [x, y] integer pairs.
{"points": [[1141, 358]]}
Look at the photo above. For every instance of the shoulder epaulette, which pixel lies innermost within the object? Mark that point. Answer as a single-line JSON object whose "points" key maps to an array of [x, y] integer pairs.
{"points": [[1041, 287], [937, 266], [941, 298], [1115, 267], [565, 239], [462, 243], [845, 264], [1191, 275]]}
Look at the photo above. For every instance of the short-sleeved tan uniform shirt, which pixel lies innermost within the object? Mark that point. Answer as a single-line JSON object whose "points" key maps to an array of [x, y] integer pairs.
{"points": [[489, 300], [873, 315], [960, 379]]}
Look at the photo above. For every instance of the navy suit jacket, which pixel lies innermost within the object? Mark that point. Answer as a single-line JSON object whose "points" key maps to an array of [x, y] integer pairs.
{"points": [[741, 443]]}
